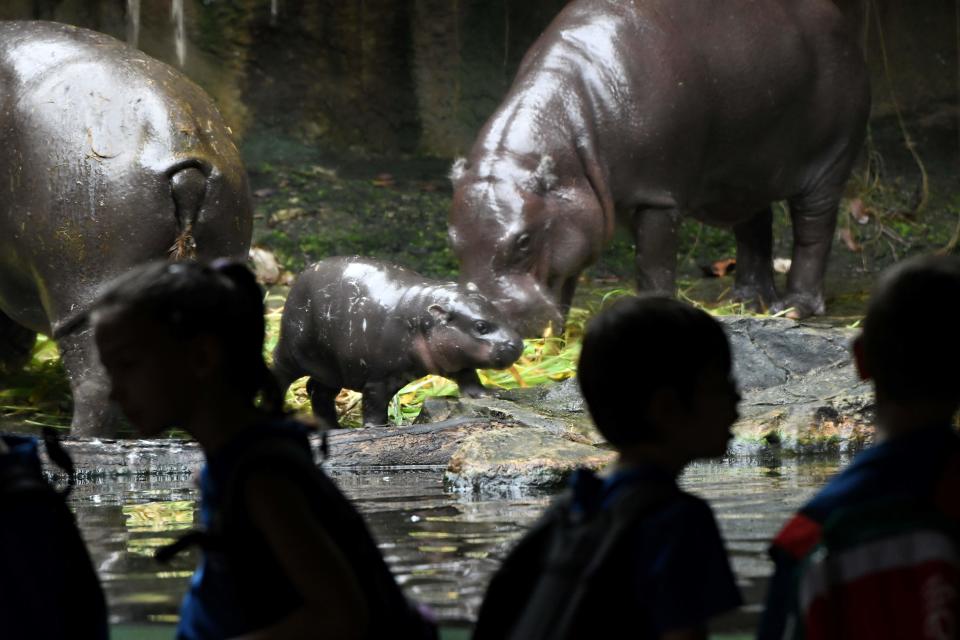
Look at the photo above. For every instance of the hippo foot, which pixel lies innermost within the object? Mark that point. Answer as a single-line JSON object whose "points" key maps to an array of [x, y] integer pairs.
{"points": [[757, 299], [478, 391], [799, 306]]}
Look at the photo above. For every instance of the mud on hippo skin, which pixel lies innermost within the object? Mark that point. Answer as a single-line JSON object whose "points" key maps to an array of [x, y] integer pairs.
{"points": [[360, 324], [639, 114], [111, 158]]}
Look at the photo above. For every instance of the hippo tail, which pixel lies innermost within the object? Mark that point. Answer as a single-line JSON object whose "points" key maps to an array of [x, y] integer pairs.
{"points": [[188, 185]]}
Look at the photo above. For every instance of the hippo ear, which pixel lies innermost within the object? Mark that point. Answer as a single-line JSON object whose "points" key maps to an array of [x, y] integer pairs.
{"points": [[457, 170], [439, 314], [543, 178]]}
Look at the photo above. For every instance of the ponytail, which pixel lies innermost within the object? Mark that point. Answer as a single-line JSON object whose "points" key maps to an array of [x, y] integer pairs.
{"points": [[249, 297]]}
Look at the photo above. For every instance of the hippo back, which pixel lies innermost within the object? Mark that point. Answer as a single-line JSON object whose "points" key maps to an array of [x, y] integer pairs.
{"points": [[94, 136]]}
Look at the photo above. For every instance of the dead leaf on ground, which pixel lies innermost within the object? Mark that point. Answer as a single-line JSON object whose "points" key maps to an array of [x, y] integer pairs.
{"points": [[265, 192], [719, 268]]}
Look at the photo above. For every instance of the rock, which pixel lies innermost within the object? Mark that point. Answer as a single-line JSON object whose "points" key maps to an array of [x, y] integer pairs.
{"points": [[800, 392], [416, 445], [827, 409], [97, 457], [513, 458], [769, 351]]}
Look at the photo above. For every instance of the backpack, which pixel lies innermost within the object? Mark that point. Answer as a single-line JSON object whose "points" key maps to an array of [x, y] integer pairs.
{"points": [[561, 580], [49, 588], [391, 610], [886, 569]]}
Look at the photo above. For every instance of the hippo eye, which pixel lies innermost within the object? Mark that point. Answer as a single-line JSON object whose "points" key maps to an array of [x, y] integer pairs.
{"points": [[523, 242], [481, 327]]}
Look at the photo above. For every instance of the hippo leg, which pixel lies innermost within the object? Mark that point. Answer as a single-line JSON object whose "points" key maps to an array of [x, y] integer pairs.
{"points": [[93, 413], [323, 402], [470, 385], [655, 235], [376, 399], [16, 344], [754, 274], [814, 219]]}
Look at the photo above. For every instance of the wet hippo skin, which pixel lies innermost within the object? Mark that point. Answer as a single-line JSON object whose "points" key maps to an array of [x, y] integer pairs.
{"points": [[110, 158], [641, 113], [361, 324]]}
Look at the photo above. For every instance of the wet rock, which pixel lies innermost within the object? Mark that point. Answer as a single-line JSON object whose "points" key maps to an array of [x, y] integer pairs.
{"points": [[827, 409], [800, 392], [509, 458], [97, 457], [416, 445], [770, 351]]}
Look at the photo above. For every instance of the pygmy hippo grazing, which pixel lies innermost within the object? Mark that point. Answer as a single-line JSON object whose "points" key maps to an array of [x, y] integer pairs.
{"points": [[644, 112], [109, 159], [360, 324]]}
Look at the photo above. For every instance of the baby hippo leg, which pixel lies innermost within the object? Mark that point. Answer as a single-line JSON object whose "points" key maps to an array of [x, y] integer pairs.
{"points": [[470, 385], [376, 399], [323, 403]]}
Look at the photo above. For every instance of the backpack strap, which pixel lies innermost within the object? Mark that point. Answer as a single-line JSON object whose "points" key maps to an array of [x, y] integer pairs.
{"points": [[552, 568], [512, 584], [637, 502]]}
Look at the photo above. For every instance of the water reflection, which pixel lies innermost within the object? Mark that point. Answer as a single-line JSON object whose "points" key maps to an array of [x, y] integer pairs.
{"points": [[442, 546]]}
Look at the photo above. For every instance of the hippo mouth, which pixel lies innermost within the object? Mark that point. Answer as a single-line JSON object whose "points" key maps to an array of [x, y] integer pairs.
{"points": [[531, 319]]}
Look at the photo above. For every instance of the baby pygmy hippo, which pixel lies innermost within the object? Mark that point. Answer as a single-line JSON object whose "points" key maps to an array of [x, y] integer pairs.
{"points": [[372, 327]]}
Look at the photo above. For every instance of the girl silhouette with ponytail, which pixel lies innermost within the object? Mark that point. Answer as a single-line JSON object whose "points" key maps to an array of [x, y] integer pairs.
{"points": [[285, 555]]}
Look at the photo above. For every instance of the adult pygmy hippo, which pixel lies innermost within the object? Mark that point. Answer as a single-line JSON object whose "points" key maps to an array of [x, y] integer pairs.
{"points": [[364, 325], [109, 158], [645, 111]]}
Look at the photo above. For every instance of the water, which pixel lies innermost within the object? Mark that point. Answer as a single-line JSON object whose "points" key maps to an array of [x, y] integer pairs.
{"points": [[442, 546]]}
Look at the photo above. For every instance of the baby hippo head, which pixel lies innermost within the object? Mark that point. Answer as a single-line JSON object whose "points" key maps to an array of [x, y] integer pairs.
{"points": [[467, 332]]}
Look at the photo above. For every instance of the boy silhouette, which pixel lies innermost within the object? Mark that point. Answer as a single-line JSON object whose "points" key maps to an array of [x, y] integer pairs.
{"points": [[631, 554], [860, 559]]}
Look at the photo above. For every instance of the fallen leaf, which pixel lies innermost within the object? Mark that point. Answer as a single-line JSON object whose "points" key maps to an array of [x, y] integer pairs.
{"points": [[719, 268], [265, 192]]}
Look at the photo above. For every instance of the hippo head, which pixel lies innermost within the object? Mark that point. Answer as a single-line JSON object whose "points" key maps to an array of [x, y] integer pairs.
{"points": [[467, 332], [523, 235]]}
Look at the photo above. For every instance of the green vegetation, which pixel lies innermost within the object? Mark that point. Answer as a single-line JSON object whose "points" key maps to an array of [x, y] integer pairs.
{"points": [[39, 395]]}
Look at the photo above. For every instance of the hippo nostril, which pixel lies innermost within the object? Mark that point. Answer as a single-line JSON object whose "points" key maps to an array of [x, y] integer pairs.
{"points": [[509, 352]]}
